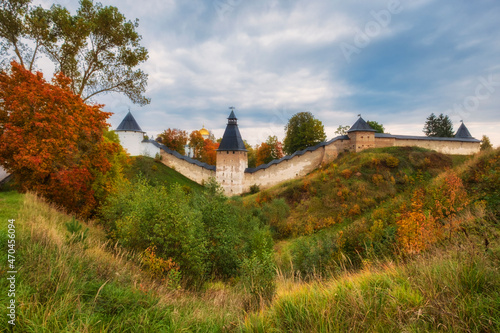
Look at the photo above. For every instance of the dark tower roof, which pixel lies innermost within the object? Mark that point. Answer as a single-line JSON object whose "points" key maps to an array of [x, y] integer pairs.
{"points": [[360, 125], [129, 124], [231, 140], [463, 132]]}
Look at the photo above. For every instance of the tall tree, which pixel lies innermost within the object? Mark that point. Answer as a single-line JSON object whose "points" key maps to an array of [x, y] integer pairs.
{"points": [[196, 142], [174, 139], [269, 150], [342, 130], [264, 154], [51, 141], [379, 128], [486, 143], [252, 155], [440, 126], [303, 131], [97, 48], [209, 152]]}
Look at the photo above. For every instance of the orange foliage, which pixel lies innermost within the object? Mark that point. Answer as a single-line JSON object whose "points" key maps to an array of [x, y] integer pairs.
{"points": [[264, 154], [196, 142], [209, 152], [417, 229], [51, 141], [157, 267], [174, 139]]}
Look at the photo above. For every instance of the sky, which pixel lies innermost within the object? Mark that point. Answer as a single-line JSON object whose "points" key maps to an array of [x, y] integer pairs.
{"points": [[394, 62]]}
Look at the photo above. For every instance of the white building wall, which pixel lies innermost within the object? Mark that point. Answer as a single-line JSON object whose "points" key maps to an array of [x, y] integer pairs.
{"points": [[131, 141]]}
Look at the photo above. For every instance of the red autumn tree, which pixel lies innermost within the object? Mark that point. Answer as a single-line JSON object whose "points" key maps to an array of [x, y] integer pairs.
{"points": [[270, 150], [264, 154], [209, 152], [174, 139], [51, 141], [196, 142]]}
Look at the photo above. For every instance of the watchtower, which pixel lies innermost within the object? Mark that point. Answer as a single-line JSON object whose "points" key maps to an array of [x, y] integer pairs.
{"points": [[232, 158], [362, 136]]}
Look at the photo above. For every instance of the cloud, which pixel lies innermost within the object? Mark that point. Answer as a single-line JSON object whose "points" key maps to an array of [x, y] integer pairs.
{"points": [[271, 59]]}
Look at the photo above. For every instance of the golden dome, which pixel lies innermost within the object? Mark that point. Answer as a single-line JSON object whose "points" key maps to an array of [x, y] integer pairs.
{"points": [[204, 131]]}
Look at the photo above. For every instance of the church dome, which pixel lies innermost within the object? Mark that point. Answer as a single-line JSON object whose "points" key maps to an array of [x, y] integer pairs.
{"points": [[204, 132]]}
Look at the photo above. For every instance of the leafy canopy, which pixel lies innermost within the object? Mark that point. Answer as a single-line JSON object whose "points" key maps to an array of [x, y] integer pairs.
{"points": [[98, 49], [379, 128], [53, 143], [440, 126], [303, 131], [174, 139]]}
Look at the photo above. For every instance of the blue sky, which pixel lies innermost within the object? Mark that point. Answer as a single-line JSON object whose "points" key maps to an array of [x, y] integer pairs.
{"points": [[395, 62]]}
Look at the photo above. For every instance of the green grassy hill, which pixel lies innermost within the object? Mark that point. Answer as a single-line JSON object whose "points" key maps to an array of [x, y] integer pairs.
{"points": [[156, 172], [359, 272]]}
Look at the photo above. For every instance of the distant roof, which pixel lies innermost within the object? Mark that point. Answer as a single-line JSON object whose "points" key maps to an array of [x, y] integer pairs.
{"points": [[129, 124], [360, 125], [231, 140], [463, 132]]}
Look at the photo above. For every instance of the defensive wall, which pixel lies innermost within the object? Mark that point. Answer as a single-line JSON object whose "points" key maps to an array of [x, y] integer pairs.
{"points": [[305, 161], [193, 169], [235, 177]]}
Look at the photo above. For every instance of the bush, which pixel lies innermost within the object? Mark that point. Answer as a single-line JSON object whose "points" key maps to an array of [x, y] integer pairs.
{"points": [[254, 189], [156, 216]]}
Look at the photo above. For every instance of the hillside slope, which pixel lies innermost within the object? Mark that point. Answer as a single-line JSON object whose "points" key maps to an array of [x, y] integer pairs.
{"points": [[355, 275], [156, 173]]}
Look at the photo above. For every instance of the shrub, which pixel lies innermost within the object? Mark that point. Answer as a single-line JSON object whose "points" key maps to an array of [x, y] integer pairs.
{"points": [[391, 161], [156, 216], [254, 189]]}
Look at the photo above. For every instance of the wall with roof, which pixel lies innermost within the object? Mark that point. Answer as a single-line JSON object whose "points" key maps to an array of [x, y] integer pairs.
{"points": [[188, 167], [295, 166], [453, 147]]}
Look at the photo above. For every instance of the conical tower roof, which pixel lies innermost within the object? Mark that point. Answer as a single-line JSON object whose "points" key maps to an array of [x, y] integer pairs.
{"points": [[463, 132], [360, 125], [129, 124], [231, 140]]}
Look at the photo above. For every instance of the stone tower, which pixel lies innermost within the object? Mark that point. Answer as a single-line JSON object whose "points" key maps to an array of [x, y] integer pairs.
{"points": [[362, 136], [130, 135], [232, 159]]}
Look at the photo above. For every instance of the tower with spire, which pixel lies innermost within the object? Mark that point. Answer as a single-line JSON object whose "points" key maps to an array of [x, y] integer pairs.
{"points": [[232, 158]]}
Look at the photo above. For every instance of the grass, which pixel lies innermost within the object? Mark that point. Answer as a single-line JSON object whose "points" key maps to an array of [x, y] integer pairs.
{"points": [[448, 291], [157, 172], [91, 286]]}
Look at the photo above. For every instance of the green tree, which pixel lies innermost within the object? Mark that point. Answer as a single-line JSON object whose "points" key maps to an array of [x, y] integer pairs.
{"points": [[342, 130], [440, 126], [379, 128], [98, 49], [486, 143], [252, 155], [303, 131]]}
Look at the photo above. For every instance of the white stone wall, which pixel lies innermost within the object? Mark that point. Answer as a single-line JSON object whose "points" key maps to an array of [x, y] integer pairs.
{"points": [[444, 147], [131, 141], [194, 172]]}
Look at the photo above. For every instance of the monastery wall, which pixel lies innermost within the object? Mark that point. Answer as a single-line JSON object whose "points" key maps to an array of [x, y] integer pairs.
{"points": [[296, 167], [442, 146], [196, 173]]}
